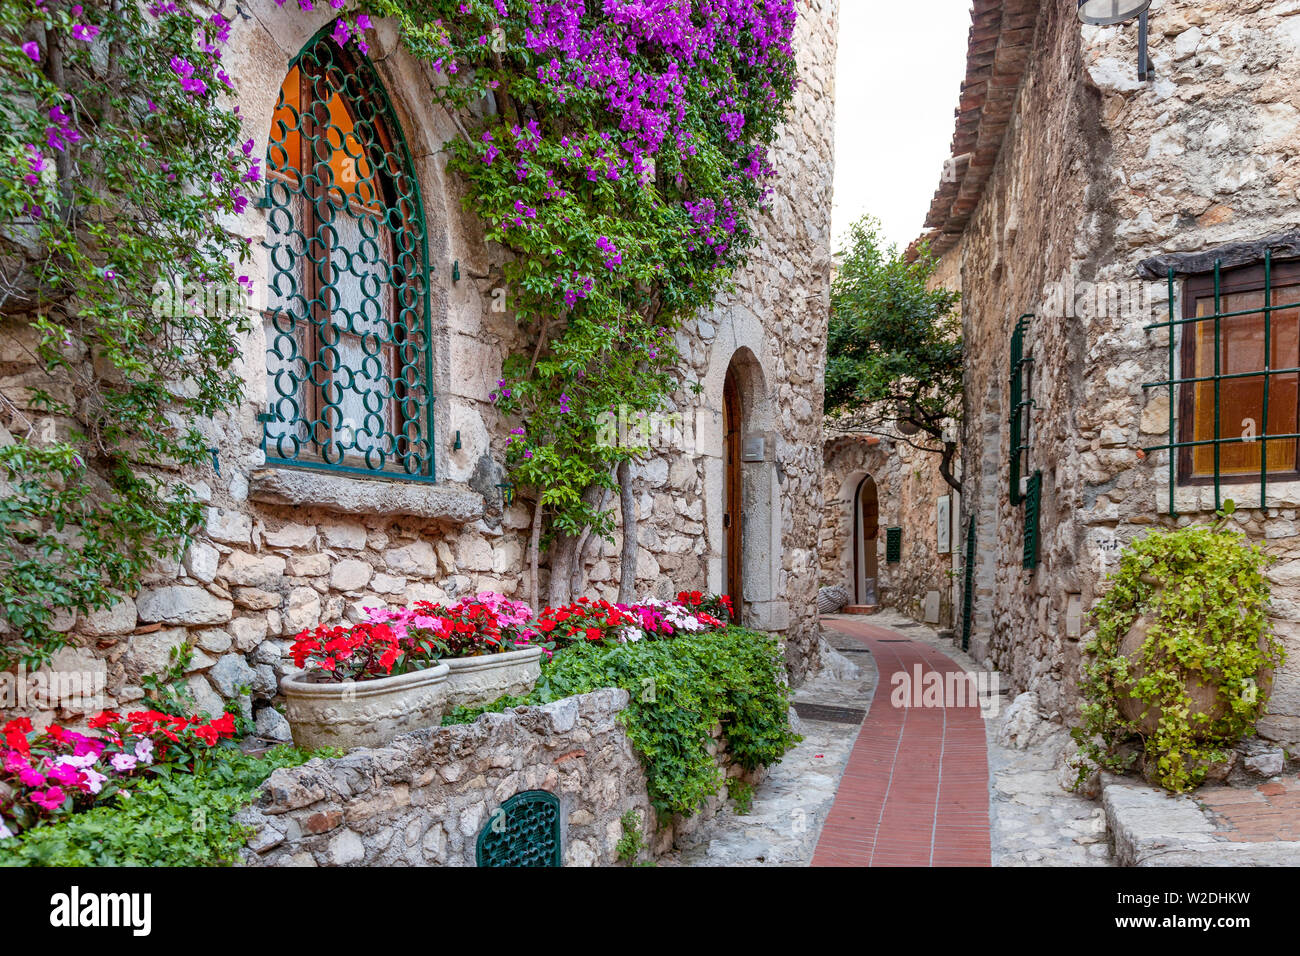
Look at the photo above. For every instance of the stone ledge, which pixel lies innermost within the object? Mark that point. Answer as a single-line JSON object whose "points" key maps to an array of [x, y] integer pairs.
{"points": [[1153, 828], [364, 496]]}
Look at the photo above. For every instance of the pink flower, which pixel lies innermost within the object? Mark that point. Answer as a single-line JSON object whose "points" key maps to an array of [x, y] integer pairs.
{"points": [[31, 777], [50, 799], [94, 780], [85, 33], [122, 763], [144, 751], [33, 51]]}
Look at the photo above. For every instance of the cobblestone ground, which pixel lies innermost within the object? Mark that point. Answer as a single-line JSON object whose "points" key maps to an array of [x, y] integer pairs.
{"points": [[1033, 821], [792, 802]]}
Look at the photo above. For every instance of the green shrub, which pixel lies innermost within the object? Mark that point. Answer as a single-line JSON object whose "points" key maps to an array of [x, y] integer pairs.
{"points": [[680, 690], [1205, 592], [176, 819]]}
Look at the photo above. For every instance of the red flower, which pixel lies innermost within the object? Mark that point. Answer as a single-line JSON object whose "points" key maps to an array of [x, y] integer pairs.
{"points": [[224, 725], [105, 719], [594, 634], [208, 734]]}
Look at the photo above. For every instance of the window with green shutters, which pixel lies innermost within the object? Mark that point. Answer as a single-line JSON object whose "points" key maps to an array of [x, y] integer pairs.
{"points": [[1033, 509], [893, 545], [1021, 404], [1026, 488], [349, 362]]}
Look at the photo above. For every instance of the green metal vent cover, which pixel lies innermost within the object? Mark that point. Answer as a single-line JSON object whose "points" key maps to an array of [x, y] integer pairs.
{"points": [[523, 831], [893, 545]]}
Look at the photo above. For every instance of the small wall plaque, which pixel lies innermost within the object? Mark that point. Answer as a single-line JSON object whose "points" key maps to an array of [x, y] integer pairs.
{"points": [[754, 449], [943, 524], [931, 607], [1074, 616]]}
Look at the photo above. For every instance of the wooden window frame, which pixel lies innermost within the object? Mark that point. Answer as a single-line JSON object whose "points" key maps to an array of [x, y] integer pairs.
{"points": [[1242, 279]]}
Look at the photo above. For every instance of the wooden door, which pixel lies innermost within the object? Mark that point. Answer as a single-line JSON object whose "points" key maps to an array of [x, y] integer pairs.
{"points": [[732, 519]]}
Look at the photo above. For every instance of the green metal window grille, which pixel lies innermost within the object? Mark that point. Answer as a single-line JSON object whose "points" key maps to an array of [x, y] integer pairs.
{"points": [[893, 545], [1287, 366], [968, 587], [1021, 403], [1033, 510], [349, 363], [523, 831]]}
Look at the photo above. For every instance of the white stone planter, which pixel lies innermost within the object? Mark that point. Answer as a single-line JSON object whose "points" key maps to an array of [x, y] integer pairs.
{"points": [[365, 713], [475, 681]]}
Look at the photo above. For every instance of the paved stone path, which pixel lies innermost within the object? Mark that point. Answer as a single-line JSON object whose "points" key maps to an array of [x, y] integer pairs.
{"points": [[792, 802], [916, 788], [1263, 813]]}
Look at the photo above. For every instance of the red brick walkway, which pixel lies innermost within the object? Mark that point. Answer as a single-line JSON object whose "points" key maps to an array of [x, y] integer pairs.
{"points": [[916, 788]]}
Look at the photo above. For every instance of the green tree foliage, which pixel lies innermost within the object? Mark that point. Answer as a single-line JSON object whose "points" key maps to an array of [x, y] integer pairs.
{"points": [[894, 352]]}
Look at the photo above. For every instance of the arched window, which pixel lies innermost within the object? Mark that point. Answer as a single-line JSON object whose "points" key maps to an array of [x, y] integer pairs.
{"points": [[347, 322]]}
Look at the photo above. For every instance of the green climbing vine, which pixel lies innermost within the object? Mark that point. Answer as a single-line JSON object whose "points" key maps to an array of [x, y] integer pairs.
{"points": [[1187, 609], [118, 162], [619, 151]]}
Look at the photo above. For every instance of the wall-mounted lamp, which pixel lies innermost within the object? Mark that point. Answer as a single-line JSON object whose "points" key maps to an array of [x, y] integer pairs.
{"points": [[507, 493], [456, 445], [455, 271], [1109, 12]]}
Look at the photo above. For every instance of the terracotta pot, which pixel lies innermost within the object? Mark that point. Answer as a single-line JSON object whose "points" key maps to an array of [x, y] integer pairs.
{"points": [[475, 681], [1204, 698], [364, 713]]}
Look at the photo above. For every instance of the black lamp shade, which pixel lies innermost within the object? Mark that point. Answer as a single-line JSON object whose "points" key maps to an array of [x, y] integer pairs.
{"points": [[1105, 12]]}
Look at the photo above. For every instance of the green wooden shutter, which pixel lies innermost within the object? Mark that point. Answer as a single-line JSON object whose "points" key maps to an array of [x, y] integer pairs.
{"points": [[893, 545], [1033, 508]]}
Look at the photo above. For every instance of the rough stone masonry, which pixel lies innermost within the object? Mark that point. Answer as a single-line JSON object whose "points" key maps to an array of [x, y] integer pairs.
{"points": [[284, 550], [1070, 174]]}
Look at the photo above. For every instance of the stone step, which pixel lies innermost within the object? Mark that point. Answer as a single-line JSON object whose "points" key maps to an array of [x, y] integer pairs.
{"points": [[861, 609]]}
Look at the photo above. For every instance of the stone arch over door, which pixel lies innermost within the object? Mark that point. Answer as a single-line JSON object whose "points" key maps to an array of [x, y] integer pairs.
{"points": [[738, 372]]}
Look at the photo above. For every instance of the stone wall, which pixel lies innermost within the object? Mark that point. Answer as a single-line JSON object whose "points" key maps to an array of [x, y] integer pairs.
{"points": [[282, 550], [1096, 172], [908, 486], [424, 799]]}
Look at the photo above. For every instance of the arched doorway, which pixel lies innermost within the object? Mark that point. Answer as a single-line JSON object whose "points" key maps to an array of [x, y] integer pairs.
{"points": [[732, 495], [866, 532]]}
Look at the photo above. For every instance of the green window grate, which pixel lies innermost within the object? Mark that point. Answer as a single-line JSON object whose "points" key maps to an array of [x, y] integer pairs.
{"points": [[1237, 420], [1033, 511], [893, 545], [349, 364], [523, 831], [1021, 403]]}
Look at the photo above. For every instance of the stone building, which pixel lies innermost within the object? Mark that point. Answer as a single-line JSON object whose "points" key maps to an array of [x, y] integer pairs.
{"points": [[1086, 205], [287, 546], [873, 484]]}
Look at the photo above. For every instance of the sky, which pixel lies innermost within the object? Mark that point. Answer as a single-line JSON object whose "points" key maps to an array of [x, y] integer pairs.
{"points": [[898, 81]]}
